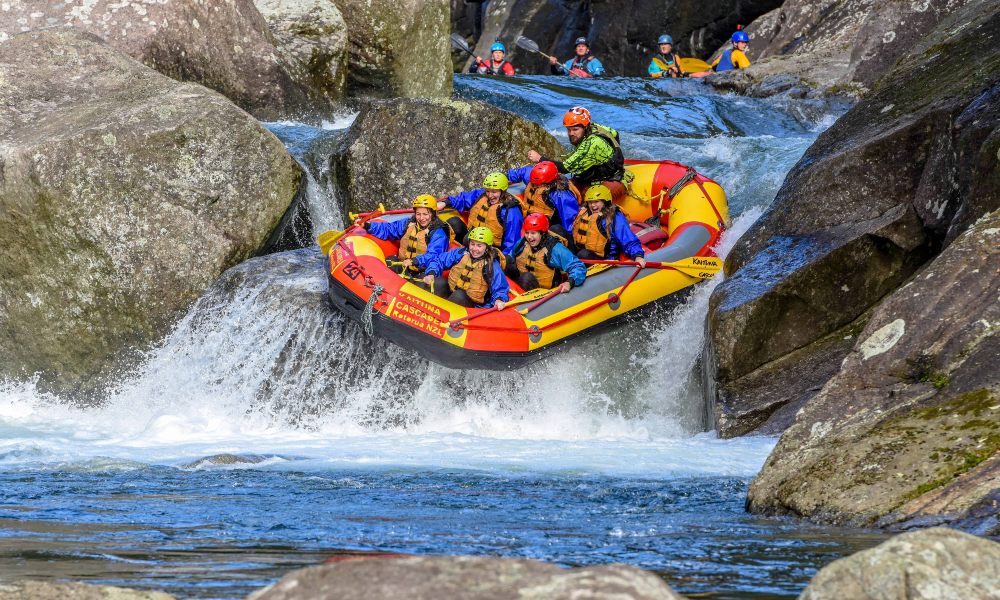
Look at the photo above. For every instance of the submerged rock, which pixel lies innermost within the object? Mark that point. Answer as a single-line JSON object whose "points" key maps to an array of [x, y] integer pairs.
{"points": [[936, 564], [401, 148], [123, 195], [465, 578], [41, 590], [225, 46], [879, 193], [398, 48], [910, 426]]}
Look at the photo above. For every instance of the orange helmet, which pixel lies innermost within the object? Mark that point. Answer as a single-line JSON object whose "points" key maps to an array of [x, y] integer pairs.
{"points": [[577, 115], [544, 172], [536, 222]]}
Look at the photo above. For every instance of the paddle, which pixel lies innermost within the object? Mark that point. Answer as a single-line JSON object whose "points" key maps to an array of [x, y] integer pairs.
{"points": [[694, 65], [529, 45], [459, 43], [702, 267], [327, 239]]}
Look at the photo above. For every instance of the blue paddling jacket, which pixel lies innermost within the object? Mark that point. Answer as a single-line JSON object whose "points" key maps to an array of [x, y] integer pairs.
{"points": [[564, 202], [505, 224], [395, 230], [499, 289]]}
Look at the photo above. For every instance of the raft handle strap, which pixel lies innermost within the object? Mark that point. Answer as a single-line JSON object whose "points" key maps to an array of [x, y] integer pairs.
{"points": [[369, 310]]}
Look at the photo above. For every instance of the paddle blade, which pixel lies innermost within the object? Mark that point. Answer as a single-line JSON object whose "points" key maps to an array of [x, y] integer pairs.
{"points": [[702, 267], [527, 44], [459, 43], [327, 239], [694, 65]]}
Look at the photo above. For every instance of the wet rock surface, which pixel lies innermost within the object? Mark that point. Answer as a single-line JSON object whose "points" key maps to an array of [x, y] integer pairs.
{"points": [[38, 590], [908, 431], [401, 148], [225, 46], [124, 194], [466, 578], [933, 564], [398, 48], [878, 194]]}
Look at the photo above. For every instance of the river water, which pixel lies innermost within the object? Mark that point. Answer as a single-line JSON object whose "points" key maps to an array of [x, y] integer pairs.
{"points": [[336, 443]]}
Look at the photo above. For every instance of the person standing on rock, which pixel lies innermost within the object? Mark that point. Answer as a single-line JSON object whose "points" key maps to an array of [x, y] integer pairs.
{"points": [[666, 63], [584, 64], [477, 276], [549, 194], [597, 157], [421, 239], [601, 230], [497, 65], [493, 207], [539, 259], [735, 57]]}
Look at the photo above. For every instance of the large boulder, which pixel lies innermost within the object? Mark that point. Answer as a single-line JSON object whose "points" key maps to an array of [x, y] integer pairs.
{"points": [[936, 564], [465, 578], [123, 195], [623, 33], [311, 38], [398, 48], [43, 590], [400, 148], [225, 46], [877, 195], [914, 410], [817, 47]]}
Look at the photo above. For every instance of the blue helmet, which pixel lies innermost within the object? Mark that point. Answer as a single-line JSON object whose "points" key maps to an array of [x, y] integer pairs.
{"points": [[498, 46], [665, 39], [741, 36]]}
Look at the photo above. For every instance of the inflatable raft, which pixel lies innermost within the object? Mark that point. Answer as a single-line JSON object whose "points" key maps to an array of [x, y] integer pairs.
{"points": [[692, 212]]}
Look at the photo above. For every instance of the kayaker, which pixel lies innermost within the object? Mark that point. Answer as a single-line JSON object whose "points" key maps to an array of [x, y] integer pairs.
{"points": [[584, 64], [421, 238], [597, 157], [548, 193], [476, 278], [491, 206], [497, 65], [735, 57], [601, 230], [539, 259], [666, 63]]}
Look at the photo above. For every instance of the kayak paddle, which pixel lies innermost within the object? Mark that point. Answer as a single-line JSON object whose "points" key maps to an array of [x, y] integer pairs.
{"points": [[459, 43], [529, 45]]}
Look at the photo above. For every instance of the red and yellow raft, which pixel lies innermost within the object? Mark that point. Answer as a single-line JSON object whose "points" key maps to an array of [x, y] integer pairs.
{"points": [[693, 212]]}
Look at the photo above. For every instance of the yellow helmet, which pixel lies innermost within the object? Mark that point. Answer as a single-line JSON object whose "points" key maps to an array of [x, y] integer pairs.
{"points": [[496, 181], [597, 192], [425, 201], [481, 234]]}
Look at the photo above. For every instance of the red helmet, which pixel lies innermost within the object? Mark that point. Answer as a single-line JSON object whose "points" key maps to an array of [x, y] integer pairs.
{"points": [[536, 222], [544, 172], [577, 115]]}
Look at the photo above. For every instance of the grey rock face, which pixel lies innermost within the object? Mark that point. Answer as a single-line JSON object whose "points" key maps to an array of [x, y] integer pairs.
{"points": [[465, 578], [936, 564], [401, 148], [877, 195], [123, 195]]}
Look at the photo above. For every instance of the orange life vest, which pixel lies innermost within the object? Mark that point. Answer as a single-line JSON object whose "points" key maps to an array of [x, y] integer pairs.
{"points": [[483, 215], [587, 234], [470, 275], [415, 239], [534, 262]]}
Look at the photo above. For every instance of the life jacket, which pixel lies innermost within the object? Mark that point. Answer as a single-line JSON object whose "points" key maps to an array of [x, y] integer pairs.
{"points": [[536, 261], [489, 68], [587, 233], [482, 214], [578, 68], [415, 239], [613, 169], [536, 199], [726, 61], [473, 276]]}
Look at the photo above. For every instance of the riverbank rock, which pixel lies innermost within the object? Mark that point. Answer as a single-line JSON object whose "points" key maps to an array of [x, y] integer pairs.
{"points": [[398, 48], [935, 564], [466, 578], [623, 33], [311, 38], [225, 46], [876, 196], [398, 149], [821, 47], [123, 195], [914, 410], [40, 590]]}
